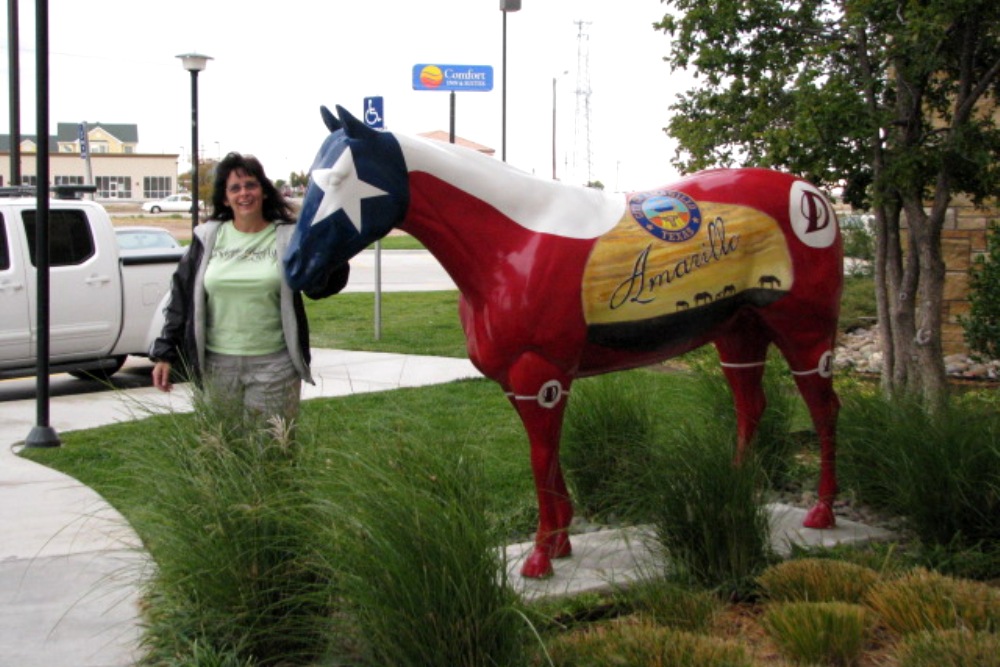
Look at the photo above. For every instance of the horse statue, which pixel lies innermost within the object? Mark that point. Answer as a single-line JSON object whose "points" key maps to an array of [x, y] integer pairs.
{"points": [[559, 282]]}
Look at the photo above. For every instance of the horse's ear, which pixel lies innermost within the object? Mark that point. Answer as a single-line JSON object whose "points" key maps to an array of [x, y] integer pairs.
{"points": [[331, 121], [352, 126]]}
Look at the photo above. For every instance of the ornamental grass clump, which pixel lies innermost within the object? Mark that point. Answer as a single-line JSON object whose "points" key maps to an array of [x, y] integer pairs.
{"points": [[817, 580], [420, 576], [710, 514], [238, 574], [610, 429], [928, 468], [640, 644], [818, 633], [949, 648], [922, 600], [669, 604]]}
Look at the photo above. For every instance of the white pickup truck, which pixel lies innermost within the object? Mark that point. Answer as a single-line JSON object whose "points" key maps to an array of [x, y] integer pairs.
{"points": [[103, 301]]}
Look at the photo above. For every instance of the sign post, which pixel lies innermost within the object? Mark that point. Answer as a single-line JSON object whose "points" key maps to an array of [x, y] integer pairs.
{"points": [[374, 116], [452, 78], [85, 155]]}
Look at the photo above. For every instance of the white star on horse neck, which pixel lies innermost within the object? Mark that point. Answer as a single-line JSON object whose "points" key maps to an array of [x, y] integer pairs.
{"points": [[342, 189]]}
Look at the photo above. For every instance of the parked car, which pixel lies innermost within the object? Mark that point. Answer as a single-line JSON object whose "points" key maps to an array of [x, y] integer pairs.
{"points": [[181, 203], [105, 302], [146, 238]]}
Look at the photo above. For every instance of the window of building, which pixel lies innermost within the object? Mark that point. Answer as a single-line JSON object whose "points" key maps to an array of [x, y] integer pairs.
{"points": [[29, 180], [114, 187], [99, 147], [157, 187], [69, 180], [70, 237]]}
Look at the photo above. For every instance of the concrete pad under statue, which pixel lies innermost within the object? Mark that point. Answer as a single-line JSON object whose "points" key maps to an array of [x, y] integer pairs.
{"points": [[606, 560]]}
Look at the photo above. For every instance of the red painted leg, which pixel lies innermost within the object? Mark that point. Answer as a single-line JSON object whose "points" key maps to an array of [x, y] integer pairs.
{"points": [[742, 357], [823, 407], [539, 395]]}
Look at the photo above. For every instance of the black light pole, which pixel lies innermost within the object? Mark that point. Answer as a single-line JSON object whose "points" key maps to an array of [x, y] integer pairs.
{"points": [[194, 63], [505, 6], [42, 434], [13, 47]]}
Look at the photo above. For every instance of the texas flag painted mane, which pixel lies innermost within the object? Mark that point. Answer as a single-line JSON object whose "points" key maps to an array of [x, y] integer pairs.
{"points": [[559, 282]]}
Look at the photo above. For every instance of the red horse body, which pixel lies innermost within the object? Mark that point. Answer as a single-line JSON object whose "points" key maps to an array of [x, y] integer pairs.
{"points": [[559, 282]]}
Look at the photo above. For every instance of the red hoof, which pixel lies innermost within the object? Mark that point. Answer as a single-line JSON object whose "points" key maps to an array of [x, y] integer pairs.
{"points": [[537, 566], [820, 516], [563, 548]]}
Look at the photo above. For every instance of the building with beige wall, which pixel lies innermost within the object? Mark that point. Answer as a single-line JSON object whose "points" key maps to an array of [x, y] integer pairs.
{"points": [[112, 162]]}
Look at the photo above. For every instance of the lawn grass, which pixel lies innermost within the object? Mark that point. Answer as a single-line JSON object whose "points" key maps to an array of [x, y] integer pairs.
{"points": [[412, 323]]}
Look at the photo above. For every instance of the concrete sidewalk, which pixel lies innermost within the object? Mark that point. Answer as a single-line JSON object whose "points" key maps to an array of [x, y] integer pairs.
{"points": [[70, 564]]}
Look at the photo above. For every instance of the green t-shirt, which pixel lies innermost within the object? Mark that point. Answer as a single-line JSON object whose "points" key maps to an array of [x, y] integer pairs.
{"points": [[243, 283]]}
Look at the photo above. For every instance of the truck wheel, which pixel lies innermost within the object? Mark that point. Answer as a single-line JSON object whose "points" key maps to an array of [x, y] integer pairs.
{"points": [[155, 209], [103, 374]]}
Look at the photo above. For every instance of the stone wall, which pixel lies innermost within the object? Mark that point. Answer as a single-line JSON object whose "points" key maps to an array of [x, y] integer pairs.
{"points": [[962, 240]]}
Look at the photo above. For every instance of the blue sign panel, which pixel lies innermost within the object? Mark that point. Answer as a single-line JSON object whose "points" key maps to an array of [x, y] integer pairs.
{"points": [[469, 78], [84, 143], [374, 113]]}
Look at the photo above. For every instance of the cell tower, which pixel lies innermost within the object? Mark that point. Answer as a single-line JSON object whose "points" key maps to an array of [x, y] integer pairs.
{"points": [[581, 127]]}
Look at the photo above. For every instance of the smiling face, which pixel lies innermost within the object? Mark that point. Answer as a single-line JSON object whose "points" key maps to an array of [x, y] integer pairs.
{"points": [[358, 191], [245, 196]]}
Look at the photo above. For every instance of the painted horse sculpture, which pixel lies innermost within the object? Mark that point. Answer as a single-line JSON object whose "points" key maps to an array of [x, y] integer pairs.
{"points": [[559, 282]]}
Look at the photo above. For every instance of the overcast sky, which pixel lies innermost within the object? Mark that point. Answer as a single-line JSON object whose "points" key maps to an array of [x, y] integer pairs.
{"points": [[275, 63]]}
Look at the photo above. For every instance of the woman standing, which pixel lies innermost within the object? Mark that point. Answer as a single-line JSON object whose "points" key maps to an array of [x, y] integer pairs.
{"points": [[232, 320]]}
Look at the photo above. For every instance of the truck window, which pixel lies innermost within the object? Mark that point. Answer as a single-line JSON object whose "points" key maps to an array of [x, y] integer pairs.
{"points": [[71, 240], [4, 252]]}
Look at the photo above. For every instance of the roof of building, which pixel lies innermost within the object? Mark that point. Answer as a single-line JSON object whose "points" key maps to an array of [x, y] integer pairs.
{"points": [[5, 142], [441, 135], [125, 132]]}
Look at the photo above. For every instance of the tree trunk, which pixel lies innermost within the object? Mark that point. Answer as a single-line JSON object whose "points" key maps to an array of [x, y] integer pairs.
{"points": [[928, 360]]}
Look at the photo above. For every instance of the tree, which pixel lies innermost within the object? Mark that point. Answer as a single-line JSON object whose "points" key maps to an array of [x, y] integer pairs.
{"points": [[891, 102]]}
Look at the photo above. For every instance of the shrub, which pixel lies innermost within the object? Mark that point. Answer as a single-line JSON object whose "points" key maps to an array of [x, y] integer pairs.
{"points": [[669, 604], [829, 633], [982, 325], [941, 476], [949, 648], [817, 580], [641, 644], [923, 600]]}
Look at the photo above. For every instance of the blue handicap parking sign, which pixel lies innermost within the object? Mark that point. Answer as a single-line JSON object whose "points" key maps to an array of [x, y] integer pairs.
{"points": [[374, 115]]}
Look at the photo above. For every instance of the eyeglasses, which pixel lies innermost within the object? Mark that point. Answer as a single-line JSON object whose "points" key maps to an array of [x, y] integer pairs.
{"points": [[249, 186]]}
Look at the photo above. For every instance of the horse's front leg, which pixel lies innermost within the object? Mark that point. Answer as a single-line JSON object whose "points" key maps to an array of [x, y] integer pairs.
{"points": [[539, 391]]}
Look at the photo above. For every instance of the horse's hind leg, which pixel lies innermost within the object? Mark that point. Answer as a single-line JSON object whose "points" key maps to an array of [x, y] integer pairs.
{"points": [[816, 388], [742, 352], [813, 372]]}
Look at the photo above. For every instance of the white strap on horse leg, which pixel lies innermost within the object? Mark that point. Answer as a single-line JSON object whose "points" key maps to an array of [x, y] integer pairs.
{"points": [[548, 396]]}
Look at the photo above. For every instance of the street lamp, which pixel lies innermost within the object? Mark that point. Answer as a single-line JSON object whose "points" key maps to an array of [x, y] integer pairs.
{"points": [[194, 63], [505, 6]]}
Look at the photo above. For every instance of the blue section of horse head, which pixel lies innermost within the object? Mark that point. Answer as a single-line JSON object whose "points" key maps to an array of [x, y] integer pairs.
{"points": [[358, 191]]}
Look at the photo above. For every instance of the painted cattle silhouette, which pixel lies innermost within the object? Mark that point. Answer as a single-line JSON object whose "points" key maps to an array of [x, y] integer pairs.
{"points": [[559, 282]]}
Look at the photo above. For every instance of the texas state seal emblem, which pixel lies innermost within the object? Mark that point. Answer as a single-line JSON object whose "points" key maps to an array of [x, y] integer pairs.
{"points": [[666, 214]]}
